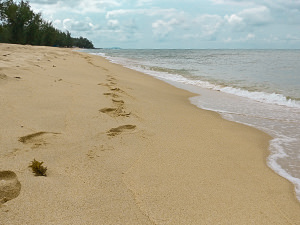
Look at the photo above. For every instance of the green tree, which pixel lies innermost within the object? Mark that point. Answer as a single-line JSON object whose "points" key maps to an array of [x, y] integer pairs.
{"points": [[83, 43], [48, 34], [20, 25], [69, 40], [4, 34], [16, 18], [33, 30]]}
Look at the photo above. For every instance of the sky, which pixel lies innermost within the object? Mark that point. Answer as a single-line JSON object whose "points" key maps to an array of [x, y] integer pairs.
{"points": [[178, 24]]}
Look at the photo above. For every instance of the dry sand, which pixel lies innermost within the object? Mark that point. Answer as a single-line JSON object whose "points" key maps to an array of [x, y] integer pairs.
{"points": [[124, 148]]}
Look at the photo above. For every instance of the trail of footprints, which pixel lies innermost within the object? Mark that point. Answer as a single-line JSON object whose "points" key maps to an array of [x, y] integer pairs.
{"points": [[118, 108], [10, 186]]}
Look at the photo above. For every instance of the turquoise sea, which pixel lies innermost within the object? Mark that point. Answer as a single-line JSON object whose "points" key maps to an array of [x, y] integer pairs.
{"points": [[260, 88]]}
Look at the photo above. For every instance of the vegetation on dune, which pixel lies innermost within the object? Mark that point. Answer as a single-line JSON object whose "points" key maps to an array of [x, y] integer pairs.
{"points": [[20, 25]]}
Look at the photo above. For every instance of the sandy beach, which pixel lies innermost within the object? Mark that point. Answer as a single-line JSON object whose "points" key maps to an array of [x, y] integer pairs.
{"points": [[124, 148]]}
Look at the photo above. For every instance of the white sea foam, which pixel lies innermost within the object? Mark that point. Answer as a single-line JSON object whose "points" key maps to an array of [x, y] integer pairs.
{"points": [[263, 119], [99, 54], [270, 98], [278, 152]]}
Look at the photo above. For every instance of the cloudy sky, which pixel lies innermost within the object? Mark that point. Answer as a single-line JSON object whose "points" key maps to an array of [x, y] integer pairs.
{"points": [[178, 24]]}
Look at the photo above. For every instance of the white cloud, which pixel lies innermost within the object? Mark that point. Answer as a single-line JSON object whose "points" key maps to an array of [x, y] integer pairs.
{"points": [[290, 37], [166, 13], [113, 24], [96, 5], [143, 2], [283, 4], [276, 4], [44, 2], [233, 2], [162, 28], [209, 24], [256, 16], [250, 36], [249, 18], [234, 20], [168, 19], [76, 6], [246, 38], [77, 26], [119, 31], [229, 39], [120, 12]]}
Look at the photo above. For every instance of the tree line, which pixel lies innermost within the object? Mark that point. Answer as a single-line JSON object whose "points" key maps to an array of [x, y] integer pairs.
{"points": [[20, 25]]}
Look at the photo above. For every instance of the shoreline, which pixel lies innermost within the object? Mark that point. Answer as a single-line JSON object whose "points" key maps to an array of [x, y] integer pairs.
{"points": [[120, 151], [212, 98]]}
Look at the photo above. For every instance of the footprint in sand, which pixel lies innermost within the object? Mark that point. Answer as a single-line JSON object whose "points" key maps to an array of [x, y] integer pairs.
{"points": [[35, 139], [110, 111], [111, 83], [115, 112], [115, 89], [28, 138], [111, 78], [104, 84], [120, 129], [10, 187], [111, 94], [3, 76], [118, 102], [91, 154]]}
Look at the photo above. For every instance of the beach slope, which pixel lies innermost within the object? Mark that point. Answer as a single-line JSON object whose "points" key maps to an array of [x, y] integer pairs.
{"points": [[121, 147]]}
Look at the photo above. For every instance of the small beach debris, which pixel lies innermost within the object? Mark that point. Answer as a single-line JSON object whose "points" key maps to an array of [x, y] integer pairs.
{"points": [[37, 168]]}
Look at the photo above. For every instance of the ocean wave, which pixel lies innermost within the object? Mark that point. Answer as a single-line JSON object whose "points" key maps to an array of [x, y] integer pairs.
{"points": [[171, 75], [270, 98]]}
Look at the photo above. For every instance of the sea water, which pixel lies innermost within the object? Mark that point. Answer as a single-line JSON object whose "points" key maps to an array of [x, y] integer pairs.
{"points": [[260, 88]]}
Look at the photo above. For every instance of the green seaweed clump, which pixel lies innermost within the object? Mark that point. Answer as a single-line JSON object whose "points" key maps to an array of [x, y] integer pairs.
{"points": [[37, 168]]}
